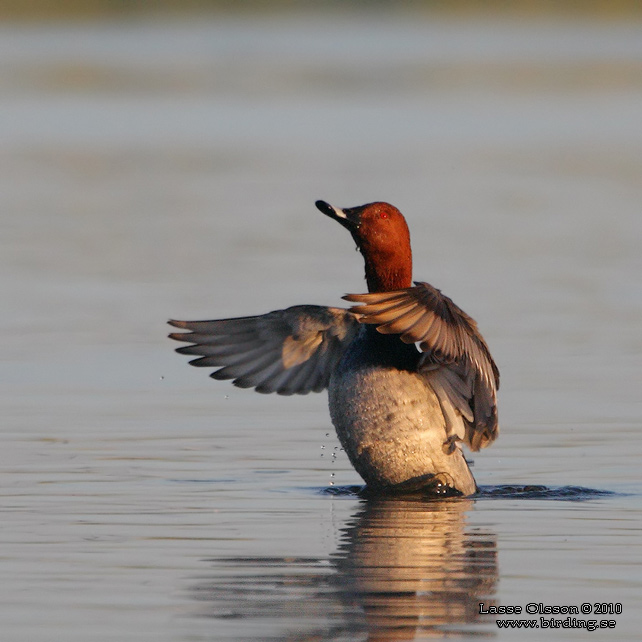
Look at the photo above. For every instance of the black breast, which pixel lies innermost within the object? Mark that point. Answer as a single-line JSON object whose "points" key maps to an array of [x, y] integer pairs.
{"points": [[371, 348]]}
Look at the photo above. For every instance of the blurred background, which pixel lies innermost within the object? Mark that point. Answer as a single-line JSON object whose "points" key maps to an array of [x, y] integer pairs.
{"points": [[162, 159], [39, 9]]}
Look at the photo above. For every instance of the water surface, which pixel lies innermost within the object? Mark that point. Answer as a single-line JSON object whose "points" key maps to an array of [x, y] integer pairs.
{"points": [[169, 170]]}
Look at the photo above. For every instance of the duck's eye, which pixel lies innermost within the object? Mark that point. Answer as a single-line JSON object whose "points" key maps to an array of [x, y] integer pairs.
{"points": [[384, 215]]}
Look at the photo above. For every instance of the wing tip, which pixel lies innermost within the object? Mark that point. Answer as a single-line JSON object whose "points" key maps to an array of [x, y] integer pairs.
{"points": [[182, 349], [354, 298], [483, 436], [179, 336], [217, 376]]}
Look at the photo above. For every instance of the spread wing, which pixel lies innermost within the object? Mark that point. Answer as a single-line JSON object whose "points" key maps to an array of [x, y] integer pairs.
{"points": [[290, 351], [456, 359]]}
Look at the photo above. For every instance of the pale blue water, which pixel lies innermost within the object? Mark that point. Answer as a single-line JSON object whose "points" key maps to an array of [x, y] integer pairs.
{"points": [[157, 170]]}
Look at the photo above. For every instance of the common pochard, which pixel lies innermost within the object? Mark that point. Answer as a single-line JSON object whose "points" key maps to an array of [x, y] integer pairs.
{"points": [[409, 376]]}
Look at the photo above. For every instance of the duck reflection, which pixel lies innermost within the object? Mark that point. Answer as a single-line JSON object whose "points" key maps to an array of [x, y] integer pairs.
{"points": [[405, 569], [412, 567]]}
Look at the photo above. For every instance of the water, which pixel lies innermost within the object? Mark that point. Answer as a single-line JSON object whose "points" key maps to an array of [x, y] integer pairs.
{"points": [[157, 170]]}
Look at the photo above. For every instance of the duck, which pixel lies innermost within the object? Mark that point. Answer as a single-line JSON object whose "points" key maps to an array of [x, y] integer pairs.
{"points": [[410, 379]]}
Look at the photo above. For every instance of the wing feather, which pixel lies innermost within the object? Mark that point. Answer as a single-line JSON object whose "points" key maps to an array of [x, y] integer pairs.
{"points": [[456, 359], [291, 351]]}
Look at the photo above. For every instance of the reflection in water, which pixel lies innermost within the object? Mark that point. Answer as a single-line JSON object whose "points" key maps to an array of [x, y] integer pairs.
{"points": [[411, 565], [405, 569]]}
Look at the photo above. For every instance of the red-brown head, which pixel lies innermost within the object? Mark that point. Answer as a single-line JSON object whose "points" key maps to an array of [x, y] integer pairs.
{"points": [[381, 234]]}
